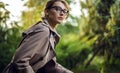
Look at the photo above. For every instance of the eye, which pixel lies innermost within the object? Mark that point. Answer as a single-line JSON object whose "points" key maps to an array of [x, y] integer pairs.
{"points": [[65, 11], [58, 8]]}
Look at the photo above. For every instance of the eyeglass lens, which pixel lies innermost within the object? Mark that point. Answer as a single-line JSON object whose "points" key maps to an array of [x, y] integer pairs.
{"points": [[59, 9]]}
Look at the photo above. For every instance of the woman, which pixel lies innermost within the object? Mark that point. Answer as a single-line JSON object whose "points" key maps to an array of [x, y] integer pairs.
{"points": [[35, 53]]}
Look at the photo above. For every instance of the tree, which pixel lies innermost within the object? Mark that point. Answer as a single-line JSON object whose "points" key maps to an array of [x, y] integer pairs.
{"points": [[103, 21], [9, 36], [34, 12]]}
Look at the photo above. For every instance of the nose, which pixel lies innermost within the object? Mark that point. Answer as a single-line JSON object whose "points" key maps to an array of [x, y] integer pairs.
{"points": [[61, 13]]}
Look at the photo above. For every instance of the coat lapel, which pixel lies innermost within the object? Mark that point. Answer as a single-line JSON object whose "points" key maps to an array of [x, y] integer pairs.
{"points": [[54, 36]]}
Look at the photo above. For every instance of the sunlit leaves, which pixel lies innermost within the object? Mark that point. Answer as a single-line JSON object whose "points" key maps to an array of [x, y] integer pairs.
{"points": [[9, 36], [34, 12], [4, 14]]}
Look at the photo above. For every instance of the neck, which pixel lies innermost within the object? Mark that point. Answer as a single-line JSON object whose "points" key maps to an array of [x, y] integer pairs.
{"points": [[51, 23]]}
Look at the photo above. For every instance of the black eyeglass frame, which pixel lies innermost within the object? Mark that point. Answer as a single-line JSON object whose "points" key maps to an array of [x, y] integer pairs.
{"points": [[59, 9]]}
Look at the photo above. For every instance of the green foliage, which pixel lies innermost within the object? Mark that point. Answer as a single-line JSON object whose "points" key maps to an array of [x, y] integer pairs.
{"points": [[72, 51], [34, 12], [9, 37], [102, 21], [93, 45], [4, 14], [111, 67]]}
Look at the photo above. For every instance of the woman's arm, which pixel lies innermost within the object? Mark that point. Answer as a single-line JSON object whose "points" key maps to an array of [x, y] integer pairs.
{"points": [[33, 44]]}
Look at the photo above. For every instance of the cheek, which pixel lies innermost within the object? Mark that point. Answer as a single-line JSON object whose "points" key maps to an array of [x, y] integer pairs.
{"points": [[53, 15]]}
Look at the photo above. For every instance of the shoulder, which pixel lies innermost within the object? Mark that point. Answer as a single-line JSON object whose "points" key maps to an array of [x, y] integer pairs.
{"points": [[38, 27]]}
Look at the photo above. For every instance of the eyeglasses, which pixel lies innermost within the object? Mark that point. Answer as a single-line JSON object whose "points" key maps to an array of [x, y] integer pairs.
{"points": [[59, 9]]}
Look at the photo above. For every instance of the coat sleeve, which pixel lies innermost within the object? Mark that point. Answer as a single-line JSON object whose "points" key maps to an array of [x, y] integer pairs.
{"points": [[30, 46], [54, 67]]}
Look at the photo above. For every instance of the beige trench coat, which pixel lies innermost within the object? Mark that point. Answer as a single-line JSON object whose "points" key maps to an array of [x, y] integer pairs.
{"points": [[35, 53]]}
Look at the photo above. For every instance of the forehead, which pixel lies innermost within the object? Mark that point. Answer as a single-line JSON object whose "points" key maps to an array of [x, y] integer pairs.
{"points": [[60, 4]]}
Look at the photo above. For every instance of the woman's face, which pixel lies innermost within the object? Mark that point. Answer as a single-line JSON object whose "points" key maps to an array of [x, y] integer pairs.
{"points": [[58, 12]]}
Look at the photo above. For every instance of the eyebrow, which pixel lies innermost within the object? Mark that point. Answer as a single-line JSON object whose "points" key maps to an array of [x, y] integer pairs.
{"points": [[60, 7]]}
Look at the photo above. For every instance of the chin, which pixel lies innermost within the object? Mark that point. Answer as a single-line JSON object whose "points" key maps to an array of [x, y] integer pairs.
{"points": [[60, 21]]}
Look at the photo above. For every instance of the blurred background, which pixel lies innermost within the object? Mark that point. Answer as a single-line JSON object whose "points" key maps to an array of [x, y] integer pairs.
{"points": [[90, 37]]}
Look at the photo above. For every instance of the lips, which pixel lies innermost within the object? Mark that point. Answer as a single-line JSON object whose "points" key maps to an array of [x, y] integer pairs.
{"points": [[60, 18]]}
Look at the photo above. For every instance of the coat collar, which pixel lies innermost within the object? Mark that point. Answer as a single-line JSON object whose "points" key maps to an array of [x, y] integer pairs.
{"points": [[46, 23], [54, 32]]}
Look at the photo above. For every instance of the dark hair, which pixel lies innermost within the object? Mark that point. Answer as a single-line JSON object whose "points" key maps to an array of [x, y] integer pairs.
{"points": [[50, 3]]}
